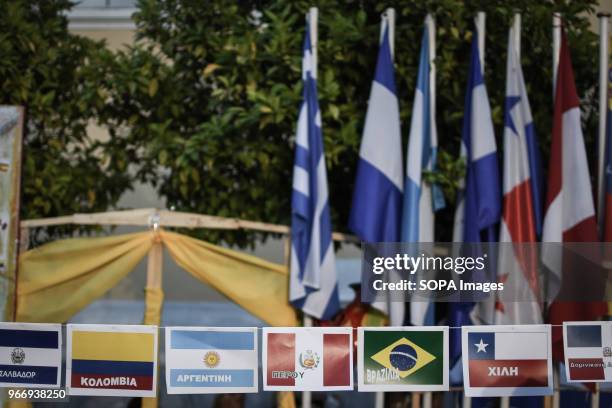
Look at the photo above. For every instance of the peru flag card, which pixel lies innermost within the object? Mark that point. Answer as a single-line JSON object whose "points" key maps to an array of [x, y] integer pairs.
{"points": [[307, 358], [588, 351], [507, 360]]}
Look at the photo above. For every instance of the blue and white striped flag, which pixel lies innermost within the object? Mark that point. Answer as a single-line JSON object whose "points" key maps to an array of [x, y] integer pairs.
{"points": [[210, 360], [377, 199], [30, 355], [420, 199], [313, 284], [479, 201]]}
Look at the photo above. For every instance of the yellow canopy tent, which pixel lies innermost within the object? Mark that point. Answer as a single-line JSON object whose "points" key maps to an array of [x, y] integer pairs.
{"points": [[57, 280]]}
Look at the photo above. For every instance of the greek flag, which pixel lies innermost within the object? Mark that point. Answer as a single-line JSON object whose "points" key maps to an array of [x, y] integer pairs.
{"points": [[420, 199], [377, 199], [313, 284]]}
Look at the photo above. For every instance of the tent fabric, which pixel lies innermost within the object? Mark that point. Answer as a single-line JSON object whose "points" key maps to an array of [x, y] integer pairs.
{"points": [[59, 279]]}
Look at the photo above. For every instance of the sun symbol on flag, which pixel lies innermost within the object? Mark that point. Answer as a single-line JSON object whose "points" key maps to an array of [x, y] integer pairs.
{"points": [[211, 359]]}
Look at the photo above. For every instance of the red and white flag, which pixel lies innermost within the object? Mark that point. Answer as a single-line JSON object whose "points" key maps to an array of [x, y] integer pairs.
{"points": [[520, 302], [308, 358], [570, 214], [501, 361]]}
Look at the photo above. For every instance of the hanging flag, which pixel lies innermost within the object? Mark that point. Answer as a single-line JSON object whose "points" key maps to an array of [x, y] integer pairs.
{"points": [[420, 199], [111, 360], [507, 360], [570, 214], [607, 222], [377, 199], [479, 199], [518, 264], [211, 360], [31, 355], [313, 284], [402, 358], [308, 359], [588, 351]]}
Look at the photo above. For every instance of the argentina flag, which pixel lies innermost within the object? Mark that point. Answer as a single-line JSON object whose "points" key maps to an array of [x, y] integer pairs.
{"points": [[377, 199], [421, 200], [209, 360], [313, 285]]}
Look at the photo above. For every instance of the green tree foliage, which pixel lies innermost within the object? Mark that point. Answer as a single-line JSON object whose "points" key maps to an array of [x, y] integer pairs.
{"points": [[56, 76], [219, 90], [204, 105]]}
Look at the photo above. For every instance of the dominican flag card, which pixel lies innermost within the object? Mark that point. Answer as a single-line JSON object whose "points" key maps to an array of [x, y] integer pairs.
{"points": [[588, 351], [308, 358], [509, 360], [30, 355]]}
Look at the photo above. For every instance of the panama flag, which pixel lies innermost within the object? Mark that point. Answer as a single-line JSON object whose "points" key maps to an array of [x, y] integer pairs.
{"points": [[313, 285], [30, 355], [377, 199], [211, 360], [420, 200], [479, 200], [111, 360], [570, 214], [507, 360], [402, 358], [588, 351], [308, 359], [521, 203]]}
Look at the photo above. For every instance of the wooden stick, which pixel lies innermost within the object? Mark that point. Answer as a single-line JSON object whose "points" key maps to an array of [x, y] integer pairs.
{"points": [[142, 218], [416, 400]]}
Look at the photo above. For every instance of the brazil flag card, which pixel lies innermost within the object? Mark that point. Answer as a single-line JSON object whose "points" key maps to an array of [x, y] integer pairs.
{"points": [[403, 358]]}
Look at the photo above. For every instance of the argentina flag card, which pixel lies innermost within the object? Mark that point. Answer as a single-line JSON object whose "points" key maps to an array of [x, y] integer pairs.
{"points": [[208, 360]]}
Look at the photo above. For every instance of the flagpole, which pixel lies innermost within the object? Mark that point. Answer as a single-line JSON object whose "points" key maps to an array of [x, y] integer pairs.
{"points": [[480, 25], [480, 22], [313, 24], [516, 25], [556, 26], [556, 23], [431, 34], [388, 20], [516, 32], [603, 96]]}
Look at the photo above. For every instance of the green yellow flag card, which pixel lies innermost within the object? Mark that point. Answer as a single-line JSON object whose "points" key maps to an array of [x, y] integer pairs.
{"points": [[403, 358]]}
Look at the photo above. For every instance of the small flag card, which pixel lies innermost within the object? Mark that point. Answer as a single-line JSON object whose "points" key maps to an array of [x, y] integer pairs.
{"points": [[111, 360], [402, 358], [507, 360], [30, 355], [588, 351], [308, 358], [211, 360]]}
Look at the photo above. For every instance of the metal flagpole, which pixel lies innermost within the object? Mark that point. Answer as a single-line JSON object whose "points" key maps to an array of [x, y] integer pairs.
{"points": [[556, 25], [603, 99], [516, 32], [431, 33], [480, 22], [313, 20], [601, 145], [481, 25], [388, 20]]}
